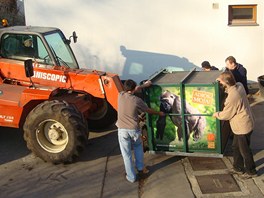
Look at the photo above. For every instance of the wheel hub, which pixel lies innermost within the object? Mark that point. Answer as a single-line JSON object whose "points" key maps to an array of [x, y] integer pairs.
{"points": [[52, 136], [53, 133]]}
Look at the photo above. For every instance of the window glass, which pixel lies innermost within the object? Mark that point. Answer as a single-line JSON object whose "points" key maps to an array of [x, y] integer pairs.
{"points": [[43, 55], [24, 46], [136, 69], [10, 45], [61, 50], [242, 15]]}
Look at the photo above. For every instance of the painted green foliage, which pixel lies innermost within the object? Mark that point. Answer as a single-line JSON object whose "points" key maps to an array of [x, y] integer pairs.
{"points": [[199, 101]]}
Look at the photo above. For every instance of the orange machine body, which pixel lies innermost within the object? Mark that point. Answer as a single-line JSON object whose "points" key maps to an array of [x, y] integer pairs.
{"points": [[19, 94]]}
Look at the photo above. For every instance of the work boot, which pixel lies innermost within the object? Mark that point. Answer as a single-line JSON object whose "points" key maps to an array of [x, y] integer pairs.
{"points": [[143, 174], [249, 175]]}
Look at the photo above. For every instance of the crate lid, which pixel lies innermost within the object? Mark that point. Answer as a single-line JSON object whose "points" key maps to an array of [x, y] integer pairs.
{"points": [[188, 77]]}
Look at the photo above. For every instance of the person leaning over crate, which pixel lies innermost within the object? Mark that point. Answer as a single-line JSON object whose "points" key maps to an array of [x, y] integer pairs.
{"points": [[129, 133], [238, 70], [238, 111], [206, 66]]}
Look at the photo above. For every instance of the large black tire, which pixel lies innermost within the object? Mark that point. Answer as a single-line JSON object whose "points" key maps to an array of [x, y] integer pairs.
{"points": [[55, 131], [104, 117]]}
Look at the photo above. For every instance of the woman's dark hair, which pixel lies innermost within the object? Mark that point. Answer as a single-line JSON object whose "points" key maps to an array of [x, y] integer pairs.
{"points": [[130, 85], [228, 78]]}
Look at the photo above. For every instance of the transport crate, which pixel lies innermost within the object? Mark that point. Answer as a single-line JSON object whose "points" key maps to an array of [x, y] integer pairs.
{"points": [[189, 100]]}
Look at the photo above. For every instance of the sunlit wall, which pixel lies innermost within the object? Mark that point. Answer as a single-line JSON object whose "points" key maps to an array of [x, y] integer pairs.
{"points": [[137, 38]]}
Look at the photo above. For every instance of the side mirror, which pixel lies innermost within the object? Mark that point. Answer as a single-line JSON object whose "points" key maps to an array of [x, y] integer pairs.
{"points": [[74, 36], [29, 68]]}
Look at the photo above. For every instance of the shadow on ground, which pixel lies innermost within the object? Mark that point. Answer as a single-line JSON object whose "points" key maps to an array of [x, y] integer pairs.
{"points": [[105, 144], [12, 145], [100, 144]]}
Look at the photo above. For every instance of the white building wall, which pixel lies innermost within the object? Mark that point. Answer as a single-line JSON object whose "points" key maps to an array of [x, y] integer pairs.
{"points": [[117, 35]]}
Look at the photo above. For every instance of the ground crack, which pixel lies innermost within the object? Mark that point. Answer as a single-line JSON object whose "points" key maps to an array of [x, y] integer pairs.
{"points": [[105, 170]]}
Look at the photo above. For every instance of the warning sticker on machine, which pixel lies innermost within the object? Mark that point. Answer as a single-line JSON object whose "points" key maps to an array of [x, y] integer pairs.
{"points": [[7, 118]]}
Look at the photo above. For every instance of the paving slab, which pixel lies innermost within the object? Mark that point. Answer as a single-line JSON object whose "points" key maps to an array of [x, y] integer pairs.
{"points": [[167, 178], [204, 163], [31, 177], [219, 183], [258, 133], [115, 183]]}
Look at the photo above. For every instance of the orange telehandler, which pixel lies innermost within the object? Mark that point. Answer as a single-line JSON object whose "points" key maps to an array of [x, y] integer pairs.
{"points": [[43, 91]]}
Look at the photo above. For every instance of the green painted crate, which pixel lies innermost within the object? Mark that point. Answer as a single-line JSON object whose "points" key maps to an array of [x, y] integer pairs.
{"points": [[189, 100]]}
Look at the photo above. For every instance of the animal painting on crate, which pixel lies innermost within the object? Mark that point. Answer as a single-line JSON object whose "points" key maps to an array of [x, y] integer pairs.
{"points": [[170, 103]]}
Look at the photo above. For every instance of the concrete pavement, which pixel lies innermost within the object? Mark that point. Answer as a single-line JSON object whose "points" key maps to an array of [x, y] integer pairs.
{"points": [[100, 171], [179, 179], [173, 176]]}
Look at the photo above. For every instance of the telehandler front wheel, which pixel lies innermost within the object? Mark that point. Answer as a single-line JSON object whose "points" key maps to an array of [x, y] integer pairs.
{"points": [[103, 117], [55, 131]]}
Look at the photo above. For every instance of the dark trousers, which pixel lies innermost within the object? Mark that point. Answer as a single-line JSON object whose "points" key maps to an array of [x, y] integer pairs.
{"points": [[243, 157]]}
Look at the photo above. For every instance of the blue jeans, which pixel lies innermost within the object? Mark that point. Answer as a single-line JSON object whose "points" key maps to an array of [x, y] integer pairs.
{"points": [[129, 138]]}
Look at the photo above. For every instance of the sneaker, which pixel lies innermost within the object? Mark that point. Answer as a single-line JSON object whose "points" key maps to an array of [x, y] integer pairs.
{"points": [[130, 181], [248, 175], [236, 171]]}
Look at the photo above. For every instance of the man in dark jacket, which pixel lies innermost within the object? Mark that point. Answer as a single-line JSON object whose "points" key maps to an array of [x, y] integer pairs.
{"points": [[238, 71]]}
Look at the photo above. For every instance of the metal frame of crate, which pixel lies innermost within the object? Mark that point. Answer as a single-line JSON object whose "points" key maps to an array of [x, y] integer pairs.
{"points": [[183, 80]]}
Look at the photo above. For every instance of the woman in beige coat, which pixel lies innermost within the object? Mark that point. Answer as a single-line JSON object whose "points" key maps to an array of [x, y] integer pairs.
{"points": [[237, 110]]}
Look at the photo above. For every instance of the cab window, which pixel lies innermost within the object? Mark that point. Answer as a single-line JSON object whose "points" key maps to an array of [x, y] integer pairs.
{"points": [[22, 47]]}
